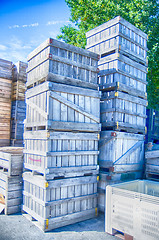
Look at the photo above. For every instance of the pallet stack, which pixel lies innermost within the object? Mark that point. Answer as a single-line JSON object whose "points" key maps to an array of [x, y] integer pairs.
{"points": [[5, 101], [61, 135], [122, 80], [18, 112], [152, 165], [11, 167]]}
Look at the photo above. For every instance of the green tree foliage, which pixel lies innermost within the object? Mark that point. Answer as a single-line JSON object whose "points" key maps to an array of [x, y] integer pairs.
{"points": [[144, 14]]}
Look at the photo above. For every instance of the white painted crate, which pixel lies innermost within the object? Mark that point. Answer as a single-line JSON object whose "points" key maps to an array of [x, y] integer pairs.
{"points": [[65, 154], [118, 35], [63, 107], [11, 159], [11, 190], [132, 208], [133, 85], [121, 152], [57, 203], [152, 164], [57, 61], [123, 111], [117, 62], [110, 178]]}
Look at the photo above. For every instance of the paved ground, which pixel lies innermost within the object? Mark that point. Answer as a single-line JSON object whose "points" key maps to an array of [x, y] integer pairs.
{"points": [[17, 227]]}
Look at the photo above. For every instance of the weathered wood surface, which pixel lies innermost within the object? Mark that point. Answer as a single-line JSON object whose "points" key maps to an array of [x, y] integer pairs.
{"points": [[11, 189], [5, 111], [18, 90], [62, 60], [19, 71], [52, 203], [61, 153], [63, 107], [119, 82], [152, 164], [11, 158], [5, 69], [122, 108], [118, 34], [122, 153]]}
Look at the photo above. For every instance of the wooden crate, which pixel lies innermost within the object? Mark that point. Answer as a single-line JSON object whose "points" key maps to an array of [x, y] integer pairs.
{"points": [[117, 80], [121, 152], [18, 90], [60, 62], [11, 192], [5, 69], [118, 35], [18, 110], [57, 203], [17, 129], [19, 71], [120, 63], [62, 107], [11, 160], [120, 110], [65, 154], [152, 164], [110, 178]]}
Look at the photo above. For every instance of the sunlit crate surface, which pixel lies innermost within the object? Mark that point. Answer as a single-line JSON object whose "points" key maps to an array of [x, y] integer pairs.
{"points": [[124, 110], [62, 107], [60, 62], [121, 152], [61, 153], [11, 192], [5, 69], [132, 208], [61, 202], [11, 159], [19, 71], [118, 35]]}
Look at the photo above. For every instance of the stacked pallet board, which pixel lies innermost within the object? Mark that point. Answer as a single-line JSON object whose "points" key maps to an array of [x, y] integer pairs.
{"points": [[11, 167], [61, 135], [5, 101], [122, 80], [18, 111]]}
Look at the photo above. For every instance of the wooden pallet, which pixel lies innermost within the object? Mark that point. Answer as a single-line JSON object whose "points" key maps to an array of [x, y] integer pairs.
{"points": [[11, 159], [63, 107], [19, 71], [18, 90], [11, 191], [123, 109], [57, 203], [61, 60], [152, 165], [118, 34], [60, 153]]}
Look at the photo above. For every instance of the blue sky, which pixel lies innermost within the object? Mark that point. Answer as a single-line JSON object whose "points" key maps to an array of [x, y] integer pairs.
{"points": [[25, 24]]}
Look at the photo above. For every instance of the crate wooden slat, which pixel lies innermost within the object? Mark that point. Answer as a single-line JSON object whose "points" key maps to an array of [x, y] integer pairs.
{"points": [[110, 178], [57, 203], [19, 71], [18, 110], [11, 159], [65, 154], [11, 190], [62, 107], [132, 208], [5, 69], [118, 35], [64, 63], [115, 78], [124, 110], [18, 90], [152, 164], [121, 152]]}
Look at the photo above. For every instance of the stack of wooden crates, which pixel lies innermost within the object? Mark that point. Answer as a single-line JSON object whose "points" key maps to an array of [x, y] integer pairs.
{"points": [[18, 111], [61, 135], [5, 101], [11, 167], [122, 80]]}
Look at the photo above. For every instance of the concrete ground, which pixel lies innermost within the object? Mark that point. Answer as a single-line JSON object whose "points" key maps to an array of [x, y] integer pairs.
{"points": [[17, 227]]}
